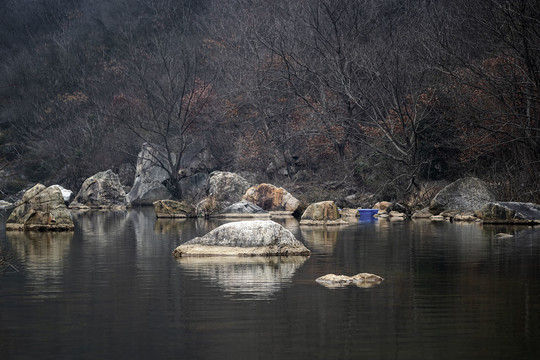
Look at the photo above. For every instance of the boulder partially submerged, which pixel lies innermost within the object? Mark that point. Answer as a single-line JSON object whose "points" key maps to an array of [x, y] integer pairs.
{"points": [[101, 191], [321, 213], [276, 200], [173, 209], [243, 210], [363, 280], [41, 209], [244, 238], [510, 213], [464, 195]]}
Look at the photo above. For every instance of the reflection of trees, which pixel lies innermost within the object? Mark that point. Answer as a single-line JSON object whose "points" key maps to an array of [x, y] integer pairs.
{"points": [[43, 254], [245, 277]]}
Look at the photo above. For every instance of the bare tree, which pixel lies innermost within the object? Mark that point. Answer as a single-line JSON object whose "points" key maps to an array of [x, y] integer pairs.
{"points": [[165, 94]]}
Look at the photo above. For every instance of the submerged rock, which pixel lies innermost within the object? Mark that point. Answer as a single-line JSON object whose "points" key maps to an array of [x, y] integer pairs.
{"points": [[363, 280], [244, 238], [464, 195], [510, 213], [173, 209], [272, 198], [503, 236], [101, 191], [41, 209]]}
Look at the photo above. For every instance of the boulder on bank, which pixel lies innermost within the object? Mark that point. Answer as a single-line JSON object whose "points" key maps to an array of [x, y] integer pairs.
{"points": [[464, 195], [272, 198], [66, 193], [383, 205], [150, 174], [101, 191], [510, 213], [243, 209], [173, 209], [41, 209], [226, 186], [363, 280], [349, 213], [321, 213], [244, 238]]}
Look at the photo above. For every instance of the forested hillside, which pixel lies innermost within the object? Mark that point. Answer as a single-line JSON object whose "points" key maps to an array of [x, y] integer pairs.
{"points": [[380, 96]]}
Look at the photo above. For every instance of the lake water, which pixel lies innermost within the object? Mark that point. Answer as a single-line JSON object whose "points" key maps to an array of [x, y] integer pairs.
{"points": [[112, 290]]}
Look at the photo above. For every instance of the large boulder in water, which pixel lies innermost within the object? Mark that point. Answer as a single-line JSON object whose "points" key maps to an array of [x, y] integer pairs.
{"points": [[244, 238], [272, 198], [101, 191], [41, 208], [510, 213], [464, 195], [321, 213], [150, 174]]}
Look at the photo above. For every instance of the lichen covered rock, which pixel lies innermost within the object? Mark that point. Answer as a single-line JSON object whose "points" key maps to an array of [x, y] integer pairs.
{"points": [[464, 195], [226, 186], [41, 209], [321, 213], [244, 238], [101, 191], [272, 198], [173, 209]]}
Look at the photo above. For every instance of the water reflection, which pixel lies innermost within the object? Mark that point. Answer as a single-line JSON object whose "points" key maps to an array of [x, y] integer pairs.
{"points": [[244, 278], [321, 239], [98, 224], [43, 255]]}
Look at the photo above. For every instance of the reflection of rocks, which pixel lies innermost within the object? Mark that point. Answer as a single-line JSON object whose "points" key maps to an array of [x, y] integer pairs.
{"points": [[96, 223], [244, 238], [363, 280], [43, 254], [321, 239], [245, 277], [169, 226]]}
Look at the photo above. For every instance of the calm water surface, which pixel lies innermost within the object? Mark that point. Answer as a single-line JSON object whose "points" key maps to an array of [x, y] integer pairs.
{"points": [[112, 290]]}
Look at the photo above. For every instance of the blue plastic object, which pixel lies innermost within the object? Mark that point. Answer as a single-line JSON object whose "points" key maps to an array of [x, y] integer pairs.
{"points": [[367, 214]]}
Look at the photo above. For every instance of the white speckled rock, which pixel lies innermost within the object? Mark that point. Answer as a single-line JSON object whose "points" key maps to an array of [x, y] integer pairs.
{"points": [[244, 238]]}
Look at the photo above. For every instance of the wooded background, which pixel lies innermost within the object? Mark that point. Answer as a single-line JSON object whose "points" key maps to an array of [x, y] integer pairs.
{"points": [[378, 95]]}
